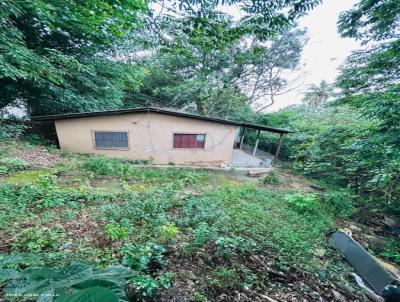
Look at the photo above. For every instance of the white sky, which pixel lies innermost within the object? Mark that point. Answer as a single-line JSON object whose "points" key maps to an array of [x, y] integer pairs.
{"points": [[325, 50]]}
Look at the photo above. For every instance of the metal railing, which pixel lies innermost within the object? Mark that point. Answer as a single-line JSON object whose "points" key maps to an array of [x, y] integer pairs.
{"points": [[244, 157]]}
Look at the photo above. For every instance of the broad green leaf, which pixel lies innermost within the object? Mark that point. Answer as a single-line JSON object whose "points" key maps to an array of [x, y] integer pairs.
{"points": [[92, 294]]}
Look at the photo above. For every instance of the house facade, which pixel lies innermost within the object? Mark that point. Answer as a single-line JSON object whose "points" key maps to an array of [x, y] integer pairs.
{"points": [[162, 136]]}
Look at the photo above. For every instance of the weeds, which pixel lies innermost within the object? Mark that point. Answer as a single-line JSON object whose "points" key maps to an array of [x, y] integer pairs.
{"points": [[272, 178], [11, 165], [144, 257], [35, 240], [303, 203], [117, 231], [224, 278], [163, 222], [169, 231]]}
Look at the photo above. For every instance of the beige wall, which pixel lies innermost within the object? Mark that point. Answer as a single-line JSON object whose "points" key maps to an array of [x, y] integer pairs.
{"points": [[151, 136]]}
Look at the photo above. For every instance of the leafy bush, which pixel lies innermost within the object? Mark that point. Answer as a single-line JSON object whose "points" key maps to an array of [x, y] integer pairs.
{"points": [[144, 257], [338, 144], [116, 231], [11, 129], [169, 231], [35, 139], [36, 240], [145, 288], [10, 165], [229, 246], [340, 203], [272, 178], [303, 203], [223, 277], [391, 250], [101, 165]]}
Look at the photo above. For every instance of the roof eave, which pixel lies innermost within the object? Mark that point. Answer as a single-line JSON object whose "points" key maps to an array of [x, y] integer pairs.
{"points": [[155, 110]]}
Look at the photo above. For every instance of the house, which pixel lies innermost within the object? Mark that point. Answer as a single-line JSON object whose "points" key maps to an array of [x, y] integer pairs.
{"points": [[164, 136]]}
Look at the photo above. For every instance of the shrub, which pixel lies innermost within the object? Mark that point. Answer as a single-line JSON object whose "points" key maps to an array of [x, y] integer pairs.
{"points": [[229, 246], [391, 250], [169, 231], [36, 240], [10, 165], [116, 231], [145, 288], [144, 257], [11, 129], [102, 165], [303, 203], [223, 277], [340, 203], [272, 178]]}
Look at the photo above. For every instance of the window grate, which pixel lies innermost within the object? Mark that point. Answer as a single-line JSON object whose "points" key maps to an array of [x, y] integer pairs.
{"points": [[111, 140], [189, 141]]}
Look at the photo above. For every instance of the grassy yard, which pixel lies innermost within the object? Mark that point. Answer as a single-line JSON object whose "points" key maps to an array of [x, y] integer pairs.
{"points": [[181, 235]]}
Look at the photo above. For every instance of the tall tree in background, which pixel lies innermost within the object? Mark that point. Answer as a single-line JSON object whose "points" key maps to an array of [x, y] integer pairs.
{"points": [[370, 83], [62, 56], [262, 72], [219, 77], [318, 95], [49, 53]]}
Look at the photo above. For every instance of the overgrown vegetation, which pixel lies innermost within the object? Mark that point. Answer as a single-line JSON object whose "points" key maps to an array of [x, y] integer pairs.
{"points": [[154, 220], [59, 57]]}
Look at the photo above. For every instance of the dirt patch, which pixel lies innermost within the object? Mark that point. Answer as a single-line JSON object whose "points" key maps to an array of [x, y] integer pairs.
{"points": [[83, 227], [38, 157], [194, 277], [296, 182]]}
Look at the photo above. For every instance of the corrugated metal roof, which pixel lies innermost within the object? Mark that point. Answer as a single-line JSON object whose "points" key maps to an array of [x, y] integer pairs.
{"points": [[157, 110]]}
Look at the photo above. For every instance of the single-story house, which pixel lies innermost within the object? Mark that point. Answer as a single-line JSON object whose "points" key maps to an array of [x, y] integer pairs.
{"points": [[161, 135]]}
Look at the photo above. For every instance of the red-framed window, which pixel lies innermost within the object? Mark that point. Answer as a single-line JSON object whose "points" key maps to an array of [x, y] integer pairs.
{"points": [[189, 141]]}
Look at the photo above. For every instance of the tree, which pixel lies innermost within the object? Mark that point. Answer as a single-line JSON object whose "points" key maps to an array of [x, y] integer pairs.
{"points": [[53, 53], [370, 85], [261, 71], [318, 95], [199, 73]]}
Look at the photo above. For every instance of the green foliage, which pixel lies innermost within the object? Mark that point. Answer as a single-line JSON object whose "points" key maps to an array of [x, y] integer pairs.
{"points": [[303, 203], [54, 56], [144, 257], [199, 297], [391, 250], [91, 294], [69, 283], [169, 231], [101, 165], [337, 145], [340, 203], [224, 278], [145, 288], [117, 231], [377, 20], [11, 165], [223, 77], [318, 95], [272, 178], [36, 240], [10, 129]]}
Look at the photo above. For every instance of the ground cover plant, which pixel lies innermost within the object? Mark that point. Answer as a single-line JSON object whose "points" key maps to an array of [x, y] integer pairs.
{"points": [[164, 234]]}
